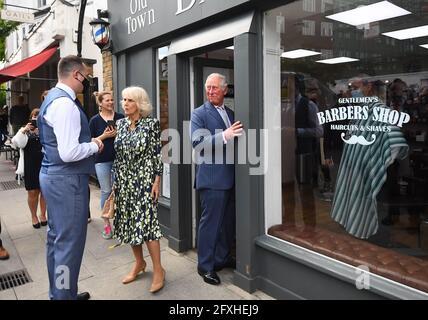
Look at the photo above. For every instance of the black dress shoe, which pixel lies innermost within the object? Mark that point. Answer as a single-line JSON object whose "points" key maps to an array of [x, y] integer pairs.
{"points": [[209, 277], [36, 225], [43, 223], [231, 264], [83, 296]]}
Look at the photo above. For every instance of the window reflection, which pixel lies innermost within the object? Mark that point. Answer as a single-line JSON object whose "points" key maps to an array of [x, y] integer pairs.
{"points": [[163, 112], [357, 124]]}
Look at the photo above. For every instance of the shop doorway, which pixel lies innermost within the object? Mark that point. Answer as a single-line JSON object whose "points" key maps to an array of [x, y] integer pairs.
{"points": [[216, 61]]}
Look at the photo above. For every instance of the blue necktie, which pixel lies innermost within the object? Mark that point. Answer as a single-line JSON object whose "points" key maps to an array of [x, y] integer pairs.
{"points": [[225, 117]]}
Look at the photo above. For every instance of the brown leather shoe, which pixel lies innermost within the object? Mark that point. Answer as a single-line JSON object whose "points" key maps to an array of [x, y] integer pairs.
{"points": [[132, 276], [155, 287], [4, 255]]}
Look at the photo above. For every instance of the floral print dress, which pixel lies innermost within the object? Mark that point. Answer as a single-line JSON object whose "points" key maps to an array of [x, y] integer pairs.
{"points": [[137, 163]]}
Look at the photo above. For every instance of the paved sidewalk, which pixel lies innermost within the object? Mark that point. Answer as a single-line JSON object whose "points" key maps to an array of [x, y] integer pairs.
{"points": [[103, 265]]}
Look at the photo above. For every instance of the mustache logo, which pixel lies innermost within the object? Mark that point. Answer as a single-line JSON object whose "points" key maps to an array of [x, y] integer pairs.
{"points": [[358, 139]]}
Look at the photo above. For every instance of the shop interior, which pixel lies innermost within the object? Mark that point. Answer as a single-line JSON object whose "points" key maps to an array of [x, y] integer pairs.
{"points": [[324, 57]]}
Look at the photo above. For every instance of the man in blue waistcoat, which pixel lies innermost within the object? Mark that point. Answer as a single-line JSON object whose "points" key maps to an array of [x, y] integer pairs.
{"points": [[64, 177]]}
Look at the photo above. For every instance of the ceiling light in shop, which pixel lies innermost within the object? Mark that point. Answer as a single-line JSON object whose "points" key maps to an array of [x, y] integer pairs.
{"points": [[409, 33], [299, 53], [366, 14], [424, 46], [337, 60]]}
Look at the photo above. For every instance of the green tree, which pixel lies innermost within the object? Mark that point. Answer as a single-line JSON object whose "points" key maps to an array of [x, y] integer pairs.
{"points": [[6, 27]]}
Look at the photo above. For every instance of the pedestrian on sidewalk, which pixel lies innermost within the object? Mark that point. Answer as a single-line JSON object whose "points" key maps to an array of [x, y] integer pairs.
{"points": [[4, 255], [103, 127], [28, 141], [137, 171], [64, 177]]}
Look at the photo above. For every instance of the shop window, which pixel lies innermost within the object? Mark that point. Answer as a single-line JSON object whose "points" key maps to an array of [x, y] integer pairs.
{"points": [[309, 5], [326, 53], [162, 104], [326, 29], [352, 131], [16, 37], [308, 28], [326, 5]]}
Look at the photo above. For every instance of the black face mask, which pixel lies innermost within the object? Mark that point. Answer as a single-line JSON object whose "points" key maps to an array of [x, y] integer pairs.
{"points": [[85, 83]]}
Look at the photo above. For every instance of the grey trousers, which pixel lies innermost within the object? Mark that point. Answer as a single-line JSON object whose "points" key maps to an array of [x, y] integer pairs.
{"points": [[67, 202]]}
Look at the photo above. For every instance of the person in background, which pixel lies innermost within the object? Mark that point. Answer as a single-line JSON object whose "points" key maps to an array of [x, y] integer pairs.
{"points": [[43, 95], [325, 161], [19, 115], [137, 171], [308, 134], [103, 126], [355, 206], [4, 118], [356, 85], [397, 97], [28, 140], [397, 94]]}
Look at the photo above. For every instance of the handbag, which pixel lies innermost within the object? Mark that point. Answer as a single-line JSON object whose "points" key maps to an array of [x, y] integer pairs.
{"points": [[20, 140], [108, 209]]}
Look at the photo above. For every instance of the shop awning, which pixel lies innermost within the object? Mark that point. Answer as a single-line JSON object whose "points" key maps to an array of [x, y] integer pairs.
{"points": [[215, 33], [26, 65]]}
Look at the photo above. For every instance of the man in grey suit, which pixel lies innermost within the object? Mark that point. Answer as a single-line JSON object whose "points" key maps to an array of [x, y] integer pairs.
{"points": [[212, 129]]}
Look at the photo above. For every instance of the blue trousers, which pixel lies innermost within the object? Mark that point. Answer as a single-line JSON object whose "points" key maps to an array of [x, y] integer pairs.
{"points": [[216, 231], [67, 204]]}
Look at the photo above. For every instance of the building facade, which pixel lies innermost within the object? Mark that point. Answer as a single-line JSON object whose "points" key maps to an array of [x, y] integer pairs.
{"points": [[331, 174], [57, 28]]}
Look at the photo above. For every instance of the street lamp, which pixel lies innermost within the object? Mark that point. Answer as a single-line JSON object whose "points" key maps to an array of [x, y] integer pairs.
{"points": [[100, 31]]}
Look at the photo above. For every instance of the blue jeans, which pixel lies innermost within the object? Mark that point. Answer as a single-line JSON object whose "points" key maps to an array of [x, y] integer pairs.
{"points": [[104, 176]]}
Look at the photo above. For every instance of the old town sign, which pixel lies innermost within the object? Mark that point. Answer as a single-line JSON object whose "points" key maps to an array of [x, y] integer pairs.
{"points": [[136, 21], [18, 16]]}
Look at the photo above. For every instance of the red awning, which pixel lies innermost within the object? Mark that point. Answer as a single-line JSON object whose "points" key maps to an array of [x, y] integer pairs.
{"points": [[26, 65]]}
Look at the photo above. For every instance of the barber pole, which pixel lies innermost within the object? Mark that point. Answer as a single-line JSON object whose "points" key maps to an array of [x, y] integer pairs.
{"points": [[101, 35]]}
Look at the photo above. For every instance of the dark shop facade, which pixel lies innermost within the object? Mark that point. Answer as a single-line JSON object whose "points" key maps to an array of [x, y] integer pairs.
{"points": [[332, 200]]}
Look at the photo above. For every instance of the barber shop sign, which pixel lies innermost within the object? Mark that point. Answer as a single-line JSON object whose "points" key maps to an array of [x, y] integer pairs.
{"points": [[141, 15], [365, 114]]}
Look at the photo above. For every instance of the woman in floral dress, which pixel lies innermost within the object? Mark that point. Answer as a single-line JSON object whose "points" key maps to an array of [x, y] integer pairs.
{"points": [[137, 170]]}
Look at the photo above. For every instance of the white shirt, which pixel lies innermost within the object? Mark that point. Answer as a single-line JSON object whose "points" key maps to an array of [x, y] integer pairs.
{"points": [[64, 117]]}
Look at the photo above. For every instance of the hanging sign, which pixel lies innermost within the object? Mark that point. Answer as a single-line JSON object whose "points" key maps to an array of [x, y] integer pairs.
{"points": [[18, 16]]}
